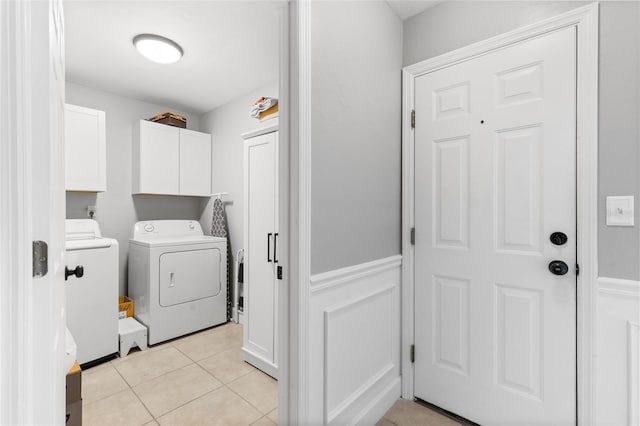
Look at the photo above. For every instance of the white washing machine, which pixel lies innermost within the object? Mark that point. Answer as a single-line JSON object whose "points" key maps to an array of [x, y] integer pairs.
{"points": [[91, 289], [177, 278]]}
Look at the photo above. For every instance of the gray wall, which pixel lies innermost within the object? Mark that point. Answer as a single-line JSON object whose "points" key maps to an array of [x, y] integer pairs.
{"points": [[619, 134], [117, 209], [454, 24], [451, 25], [226, 123], [356, 99]]}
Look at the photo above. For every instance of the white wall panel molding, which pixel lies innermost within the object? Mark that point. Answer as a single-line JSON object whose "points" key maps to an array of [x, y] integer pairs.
{"points": [[619, 287], [341, 349], [354, 362], [617, 366], [633, 378], [327, 280]]}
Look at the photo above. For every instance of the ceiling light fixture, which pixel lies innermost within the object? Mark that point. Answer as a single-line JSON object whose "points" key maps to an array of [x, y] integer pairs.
{"points": [[157, 48]]}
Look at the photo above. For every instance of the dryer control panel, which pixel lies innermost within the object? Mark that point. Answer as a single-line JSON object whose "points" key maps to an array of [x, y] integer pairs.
{"points": [[167, 229]]}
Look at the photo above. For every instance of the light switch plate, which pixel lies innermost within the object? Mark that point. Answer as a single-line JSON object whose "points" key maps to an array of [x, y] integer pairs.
{"points": [[620, 211]]}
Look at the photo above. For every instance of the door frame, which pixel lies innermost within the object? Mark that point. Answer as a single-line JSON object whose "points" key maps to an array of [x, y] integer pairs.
{"points": [[585, 19]]}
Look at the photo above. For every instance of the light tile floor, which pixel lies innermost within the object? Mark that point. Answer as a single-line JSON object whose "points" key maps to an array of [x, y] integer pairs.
{"points": [[408, 413], [200, 379]]}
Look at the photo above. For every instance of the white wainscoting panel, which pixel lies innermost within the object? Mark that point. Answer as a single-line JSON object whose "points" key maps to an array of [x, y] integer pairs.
{"points": [[354, 364], [617, 366]]}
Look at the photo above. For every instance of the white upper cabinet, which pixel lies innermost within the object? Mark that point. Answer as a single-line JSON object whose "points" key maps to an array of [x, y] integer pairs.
{"points": [[156, 153], [85, 149], [171, 161], [195, 163]]}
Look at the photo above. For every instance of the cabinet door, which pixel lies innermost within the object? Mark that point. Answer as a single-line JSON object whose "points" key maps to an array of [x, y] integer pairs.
{"points": [[159, 150], [85, 149], [260, 221], [195, 163]]}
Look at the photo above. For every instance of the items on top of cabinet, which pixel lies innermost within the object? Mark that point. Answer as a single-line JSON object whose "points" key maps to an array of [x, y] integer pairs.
{"points": [[169, 160], [264, 107], [85, 149], [171, 119]]}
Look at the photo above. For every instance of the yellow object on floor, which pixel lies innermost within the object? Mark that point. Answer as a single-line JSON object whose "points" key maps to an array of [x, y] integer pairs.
{"points": [[125, 304]]}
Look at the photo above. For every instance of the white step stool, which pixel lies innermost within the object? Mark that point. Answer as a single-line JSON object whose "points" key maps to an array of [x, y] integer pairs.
{"points": [[131, 333]]}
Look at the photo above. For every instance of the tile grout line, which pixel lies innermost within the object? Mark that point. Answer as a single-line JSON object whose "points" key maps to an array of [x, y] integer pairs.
{"points": [[136, 395], [192, 362], [200, 396], [249, 402], [188, 402]]}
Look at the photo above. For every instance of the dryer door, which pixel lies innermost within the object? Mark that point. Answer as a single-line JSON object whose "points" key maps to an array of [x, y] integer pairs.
{"points": [[186, 276]]}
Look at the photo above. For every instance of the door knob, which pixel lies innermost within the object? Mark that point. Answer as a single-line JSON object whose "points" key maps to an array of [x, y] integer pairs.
{"points": [[558, 267], [558, 238], [78, 271]]}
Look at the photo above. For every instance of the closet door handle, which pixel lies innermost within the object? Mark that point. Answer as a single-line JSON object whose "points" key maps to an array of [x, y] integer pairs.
{"points": [[275, 250], [269, 247]]}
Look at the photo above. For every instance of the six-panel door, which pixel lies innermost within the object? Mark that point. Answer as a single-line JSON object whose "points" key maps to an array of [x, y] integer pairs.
{"points": [[495, 176]]}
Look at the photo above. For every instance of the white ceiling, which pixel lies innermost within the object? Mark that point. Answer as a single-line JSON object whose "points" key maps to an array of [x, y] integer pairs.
{"points": [[406, 9], [230, 48]]}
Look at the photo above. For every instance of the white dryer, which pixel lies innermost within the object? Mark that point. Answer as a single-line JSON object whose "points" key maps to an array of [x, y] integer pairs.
{"points": [[177, 278]]}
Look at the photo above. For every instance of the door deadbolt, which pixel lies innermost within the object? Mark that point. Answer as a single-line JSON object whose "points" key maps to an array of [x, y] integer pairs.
{"points": [[558, 267], [558, 238]]}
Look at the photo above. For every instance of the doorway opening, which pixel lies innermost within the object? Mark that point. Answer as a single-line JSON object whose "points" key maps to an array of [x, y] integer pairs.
{"points": [[234, 53]]}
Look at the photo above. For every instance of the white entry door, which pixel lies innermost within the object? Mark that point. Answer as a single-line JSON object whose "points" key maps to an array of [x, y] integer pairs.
{"points": [[495, 177]]}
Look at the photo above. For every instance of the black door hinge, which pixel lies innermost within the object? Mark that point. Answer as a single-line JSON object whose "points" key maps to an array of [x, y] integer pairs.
{"points": [[413, 118], [413, 353], [413, 236], [577, 269], [279, 272]]}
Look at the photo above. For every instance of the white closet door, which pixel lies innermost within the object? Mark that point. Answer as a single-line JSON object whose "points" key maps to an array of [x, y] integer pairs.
{"points": [[85, 149], [260, 283], [495, 147], [195, 163], [159, 151]]}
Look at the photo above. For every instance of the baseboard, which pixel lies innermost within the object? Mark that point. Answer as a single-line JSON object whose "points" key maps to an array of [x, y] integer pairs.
{"points": [[260, 363], [377, 408]]}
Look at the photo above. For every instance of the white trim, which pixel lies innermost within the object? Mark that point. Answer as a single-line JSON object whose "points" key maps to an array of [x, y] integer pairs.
{"points": [[619, 287], [284, 225], [328, 280], [16, 386], [377, 408], [633, 368], [300, 208], [330, 416], [272, 127], [408, 222], [261, 363], [337, 296], [586, 20]]}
